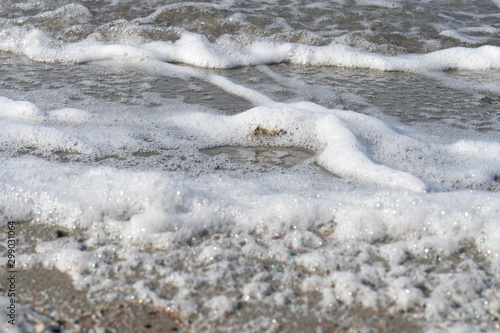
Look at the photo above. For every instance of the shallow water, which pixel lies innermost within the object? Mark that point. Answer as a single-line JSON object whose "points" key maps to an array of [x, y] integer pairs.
{"points": [[322, 159]]}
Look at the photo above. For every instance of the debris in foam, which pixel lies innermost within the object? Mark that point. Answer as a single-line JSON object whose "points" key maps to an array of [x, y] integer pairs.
{"points": [[264, 132]]}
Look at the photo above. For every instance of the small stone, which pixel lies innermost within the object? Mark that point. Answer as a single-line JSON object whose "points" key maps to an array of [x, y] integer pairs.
{"points": [[60, 233]]}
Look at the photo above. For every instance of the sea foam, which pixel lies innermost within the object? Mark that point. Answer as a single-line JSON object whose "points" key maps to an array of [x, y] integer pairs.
{"points": [[387, 200]]}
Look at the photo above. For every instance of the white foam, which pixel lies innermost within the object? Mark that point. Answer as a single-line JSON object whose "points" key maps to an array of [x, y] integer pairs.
{"points": [[379, 3], [471, 40], [483, 29], [130, 207], [196, 50], [221, 305], [27, 112], [69, 116], [348, 144], [24, 111], [354, 146]]}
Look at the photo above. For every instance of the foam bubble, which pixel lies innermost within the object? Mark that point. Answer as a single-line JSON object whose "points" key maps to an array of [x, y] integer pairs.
{"points": [[22, 111]]}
